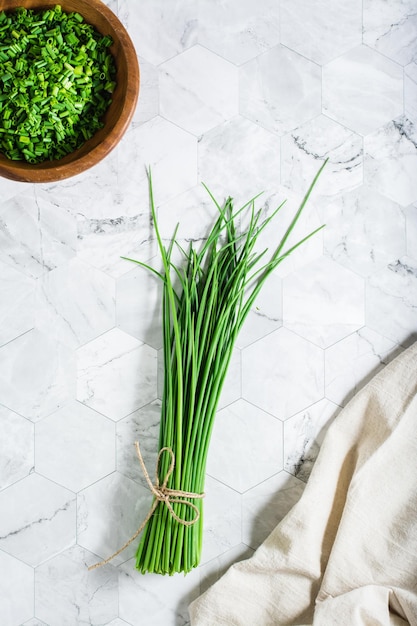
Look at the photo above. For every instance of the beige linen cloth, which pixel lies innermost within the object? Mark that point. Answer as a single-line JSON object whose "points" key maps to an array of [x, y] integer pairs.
{"points": [[346, 554]]}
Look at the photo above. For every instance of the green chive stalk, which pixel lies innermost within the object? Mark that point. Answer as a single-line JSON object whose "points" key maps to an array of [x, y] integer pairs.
{"points": [[202, 318]]}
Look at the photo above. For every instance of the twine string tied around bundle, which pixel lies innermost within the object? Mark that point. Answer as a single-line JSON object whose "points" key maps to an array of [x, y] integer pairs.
{"points": [[161, 493]]}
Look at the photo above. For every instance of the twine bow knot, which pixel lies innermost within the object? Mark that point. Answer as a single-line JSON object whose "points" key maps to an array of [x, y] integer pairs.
{"points": [[161, 493]]}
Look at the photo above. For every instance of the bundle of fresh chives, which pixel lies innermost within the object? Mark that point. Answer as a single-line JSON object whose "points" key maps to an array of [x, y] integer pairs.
{"points": [[201, 320]]}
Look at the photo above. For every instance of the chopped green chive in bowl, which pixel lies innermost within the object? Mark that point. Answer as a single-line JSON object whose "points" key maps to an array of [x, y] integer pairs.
{"points": [[57, 77]]}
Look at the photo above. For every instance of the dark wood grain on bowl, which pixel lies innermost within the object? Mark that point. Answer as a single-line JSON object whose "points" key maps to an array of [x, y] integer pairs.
{"points": [[117, 117]]}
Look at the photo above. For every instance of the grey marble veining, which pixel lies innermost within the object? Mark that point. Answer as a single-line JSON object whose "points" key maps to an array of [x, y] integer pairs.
{"points": [[248, 97]]}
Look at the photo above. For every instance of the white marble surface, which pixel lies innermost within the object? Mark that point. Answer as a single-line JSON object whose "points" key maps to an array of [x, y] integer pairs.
{"points": [[247, 96], [373, 94]]}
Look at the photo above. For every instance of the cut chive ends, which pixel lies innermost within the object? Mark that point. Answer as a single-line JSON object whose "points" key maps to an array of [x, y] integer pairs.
{"points": [[206, 298], [69, 84]]}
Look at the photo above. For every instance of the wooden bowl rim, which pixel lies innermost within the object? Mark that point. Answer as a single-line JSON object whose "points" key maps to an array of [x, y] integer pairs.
{"points": [[53, 171]]}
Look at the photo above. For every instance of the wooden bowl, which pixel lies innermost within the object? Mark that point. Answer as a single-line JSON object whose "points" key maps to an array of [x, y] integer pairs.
{"points": [[117, 116]]}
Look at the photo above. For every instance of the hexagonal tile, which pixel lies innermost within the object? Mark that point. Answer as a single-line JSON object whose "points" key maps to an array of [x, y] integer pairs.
{"points": [[391, 160], [17, 303], [356, 230], [169, 151], [391, 29], [323, 32], [352, 362], [213, 570], [264, 506], [36, 375], [222, 525], [198, 90], [391, 300], [16, 447], [102, 240], [193, 211], [90, 193], [410, 92], [232, 386], [75, 446], [257, 169], [116, 374], [76, 303], [41, 519], [93, 598], [248, 28], [16, 590], [10, 188], [285, 204], [265, 315], [118, 622], [303, 436], [411, 227], [323, 302], [308, 145], [280, 90], [163, 599], [148, 104], [282, 373], [246, 446], [177, 29], [139, 306], [143, 426], [370, 94], [310, 222], [108, 513], [35, 234], [34, 622]]}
